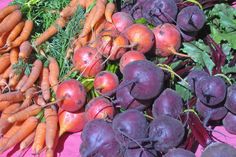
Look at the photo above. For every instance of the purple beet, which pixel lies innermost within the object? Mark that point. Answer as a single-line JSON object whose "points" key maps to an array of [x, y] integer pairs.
{"points": [[179, 152], [138, 153], [230, 103], [229, 123]]}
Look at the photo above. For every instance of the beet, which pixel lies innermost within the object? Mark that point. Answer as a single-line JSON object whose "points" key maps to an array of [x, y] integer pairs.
{"points": [[179, 152], [138, 153], [229, 123], [230, 103]]}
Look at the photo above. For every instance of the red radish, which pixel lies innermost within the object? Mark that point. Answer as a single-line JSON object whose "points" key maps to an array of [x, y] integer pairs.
{"points": [[72, 95], [71, 122], [113, 49], [130, 56], [106, 82], [141, 37], [88, 61], [168, 40], [122, 20], [99, 108]]}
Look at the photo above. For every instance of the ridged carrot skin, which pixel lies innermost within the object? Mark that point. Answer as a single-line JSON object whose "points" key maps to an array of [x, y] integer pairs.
{"points": [[21, 82], [7, 10], [27, 141], [15, 32], [39, 139], [4, 104], [8, 111], [25, 50], [5, 62], [15, 96], [54, 72], [110, 8], [44, 84], [14, 54]]}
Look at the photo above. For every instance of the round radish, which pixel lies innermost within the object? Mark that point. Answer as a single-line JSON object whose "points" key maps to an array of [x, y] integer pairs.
{"points": [[140, 37], [130, 56], [105, 82], [72, 95], [88, 61], [122, 20]]}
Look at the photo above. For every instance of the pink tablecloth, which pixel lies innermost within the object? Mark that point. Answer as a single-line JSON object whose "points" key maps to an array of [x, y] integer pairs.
{"points": [[69, 144]]}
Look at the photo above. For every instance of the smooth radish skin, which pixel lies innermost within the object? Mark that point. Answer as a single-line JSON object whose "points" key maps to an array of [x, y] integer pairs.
{"points": [[71, 122], [141, 37], [194, 76], [105, 82], [122, 20], [211, 90], [88, 61], [229, 123], [99, 108], [129, 57], [168, 103], [95, 135], [230, 103], [168, 40], [179, 152], [219, 150], [166, 132], [216, 113], [146, 77], [72, 95], [129, 125]]}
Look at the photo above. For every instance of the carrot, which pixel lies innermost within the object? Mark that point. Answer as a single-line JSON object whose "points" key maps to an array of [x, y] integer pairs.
{"points": [[4, 104], [10, 21], [100, 11], [52, 30], [93, 41], [24, 114], [21, 82], [15, 96], [26, 128], [12, 131], [35, 72], [4, 126], [5, 62], [3, 39], [51, 129], [3, 82], [71, 8], [110, 9], [6, 73], [39, 139], [15, 32], [14, 53], [7, 10], [29, 94], [88, 3], [45, 84], [24, 35], [27, 141], [13, 81], [40, 101], [8, 111], [54, 72], [25, 50]]}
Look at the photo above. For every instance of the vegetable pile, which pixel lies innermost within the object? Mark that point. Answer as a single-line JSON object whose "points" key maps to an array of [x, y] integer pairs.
{"points": [[138, 78]]}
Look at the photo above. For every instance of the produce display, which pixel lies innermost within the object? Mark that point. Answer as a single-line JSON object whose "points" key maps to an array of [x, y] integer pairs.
{"points": [[137, 78]]}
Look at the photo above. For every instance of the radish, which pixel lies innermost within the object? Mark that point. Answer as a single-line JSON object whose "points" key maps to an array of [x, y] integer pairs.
{"points": [[99, 108], [130, 56], [168, 40], [72, 95], [88, 61], [122, 20], [140, 37], [105, 82]]}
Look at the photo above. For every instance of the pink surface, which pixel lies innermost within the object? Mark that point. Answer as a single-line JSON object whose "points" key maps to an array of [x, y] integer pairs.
{"points": [[69, 144]]}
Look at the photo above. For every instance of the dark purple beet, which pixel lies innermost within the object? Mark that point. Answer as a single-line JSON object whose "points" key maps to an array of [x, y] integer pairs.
{"points": [[230, 103], [166, 132], [216, 113], [130, 124], [211, 90], [219, 150], [179, 152], [147, 77], [138, 153], [229, 123], [191, 19], [194, 76], [168, 103], [188, 36]]}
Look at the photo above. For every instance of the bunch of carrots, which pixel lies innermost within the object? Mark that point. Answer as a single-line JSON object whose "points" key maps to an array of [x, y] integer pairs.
{"points": [[28, 117]]}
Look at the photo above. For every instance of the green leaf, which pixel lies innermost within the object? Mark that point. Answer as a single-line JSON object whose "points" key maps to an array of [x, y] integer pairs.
{"points": [[183, 91], [226, 69], [199, 52]]}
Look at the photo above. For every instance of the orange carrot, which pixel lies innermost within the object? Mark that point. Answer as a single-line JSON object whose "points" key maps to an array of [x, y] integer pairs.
{"points": [[54, 72], [25, 50], [4, 104], [10, 21], [40, 101], [88, 3], [13, 81], [100, 11], [7, 112], [110, 8], [51, 128], [7, 10], [71, 8], [39, 139], [3, 39], [44, 84], [6, 73], [27, 141], [28, 98], [15, 96], [14, 53], [52, 30], [35, 72], [5, 62], [3, 82], [21, 82], [4, 126], [15, 32], [24, 114], [26, 128]]}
